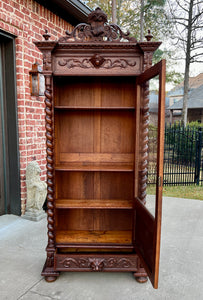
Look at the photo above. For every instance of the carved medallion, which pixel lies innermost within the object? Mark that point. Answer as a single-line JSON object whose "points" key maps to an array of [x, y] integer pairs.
{"points": [[97, 60]]}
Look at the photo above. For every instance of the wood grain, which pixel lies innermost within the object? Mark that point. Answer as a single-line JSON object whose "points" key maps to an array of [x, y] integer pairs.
{"points": [[82, 236], [94, 204]]}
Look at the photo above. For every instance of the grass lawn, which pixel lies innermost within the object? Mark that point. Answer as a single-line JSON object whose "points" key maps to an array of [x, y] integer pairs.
{"points": [[190, 192]]}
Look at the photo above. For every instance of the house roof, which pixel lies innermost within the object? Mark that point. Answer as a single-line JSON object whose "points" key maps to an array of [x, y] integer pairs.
{"points": [[194, 82], [73, 11], [195, 100], [153, 101]]}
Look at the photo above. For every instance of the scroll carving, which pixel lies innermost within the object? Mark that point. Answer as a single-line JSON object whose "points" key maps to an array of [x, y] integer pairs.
{"points": [[72, 263], [97, 61], [97, 30], [73, 63], [98, 263]]}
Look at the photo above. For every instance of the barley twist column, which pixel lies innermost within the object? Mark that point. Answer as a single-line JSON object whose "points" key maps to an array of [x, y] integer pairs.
{"points": [[50, 175]]}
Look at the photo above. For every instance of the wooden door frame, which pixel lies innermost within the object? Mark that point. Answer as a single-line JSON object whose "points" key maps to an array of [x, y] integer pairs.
{"points": [[10, 122]]}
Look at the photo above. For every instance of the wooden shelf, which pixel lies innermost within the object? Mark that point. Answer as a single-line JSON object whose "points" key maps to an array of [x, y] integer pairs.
{"points": [[63, 107], [94, 204], [93, 236], [83, 166]]}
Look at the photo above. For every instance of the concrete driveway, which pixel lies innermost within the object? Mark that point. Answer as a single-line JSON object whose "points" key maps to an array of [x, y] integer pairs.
{"points": [[22, 256]]}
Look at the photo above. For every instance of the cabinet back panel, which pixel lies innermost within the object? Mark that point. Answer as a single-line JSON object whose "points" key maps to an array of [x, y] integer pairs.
{"points": [[94, 219], [74, 185], [89, 132], [89, 91], [75, 132], [94, 185]]}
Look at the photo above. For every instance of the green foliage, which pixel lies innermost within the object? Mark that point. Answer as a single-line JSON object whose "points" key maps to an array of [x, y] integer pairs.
{"points": [[188, 192], [105, 5], [195, 125], [182, 140], [155, 18], [171, 75], [128, 16], [152, 3], [174, 77]]}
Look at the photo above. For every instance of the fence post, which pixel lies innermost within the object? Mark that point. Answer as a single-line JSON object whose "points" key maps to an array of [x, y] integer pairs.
{"points": [[198, 156]]}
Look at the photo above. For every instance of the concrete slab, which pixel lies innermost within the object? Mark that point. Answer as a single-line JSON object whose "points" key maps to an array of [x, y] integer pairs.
{"points": [[36, 215], [22, 255]]}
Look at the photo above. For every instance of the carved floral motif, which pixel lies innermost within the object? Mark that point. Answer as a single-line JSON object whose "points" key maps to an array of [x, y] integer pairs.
{"points": [[96, 264], [97, 30]]}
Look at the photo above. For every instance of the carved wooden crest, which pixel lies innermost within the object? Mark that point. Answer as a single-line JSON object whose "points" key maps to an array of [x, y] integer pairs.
{"points": [[97, 30]]}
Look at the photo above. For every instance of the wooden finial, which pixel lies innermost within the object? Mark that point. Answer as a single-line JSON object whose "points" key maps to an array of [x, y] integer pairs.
{"points": [[46, 35], [149, 36]]}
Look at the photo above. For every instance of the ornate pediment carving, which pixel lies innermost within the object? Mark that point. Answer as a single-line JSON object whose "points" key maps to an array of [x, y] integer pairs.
{"points": [[97, 30]]}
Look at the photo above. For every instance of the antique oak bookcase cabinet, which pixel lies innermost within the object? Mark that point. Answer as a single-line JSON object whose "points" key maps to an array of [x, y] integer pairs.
{"points": [[97, 134]]}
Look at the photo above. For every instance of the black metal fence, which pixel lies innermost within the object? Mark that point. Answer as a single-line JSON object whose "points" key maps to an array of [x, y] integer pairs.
{"points": [[183, 155]]}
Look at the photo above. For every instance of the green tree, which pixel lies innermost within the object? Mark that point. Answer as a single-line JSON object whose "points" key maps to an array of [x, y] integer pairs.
{"points": [[148, 14], [128, 14], [187, 18]]}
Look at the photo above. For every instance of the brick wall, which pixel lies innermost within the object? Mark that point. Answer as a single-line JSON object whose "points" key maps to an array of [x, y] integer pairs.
{"points": [[28, 20]]}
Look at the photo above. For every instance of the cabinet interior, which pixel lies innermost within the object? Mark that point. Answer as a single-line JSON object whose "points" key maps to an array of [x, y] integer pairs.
{"points": [[94, 121]]}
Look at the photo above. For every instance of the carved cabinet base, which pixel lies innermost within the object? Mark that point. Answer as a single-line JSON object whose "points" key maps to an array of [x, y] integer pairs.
{"points": [[95, 263]]}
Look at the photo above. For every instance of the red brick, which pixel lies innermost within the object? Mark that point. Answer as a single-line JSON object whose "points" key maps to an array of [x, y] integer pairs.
{"points": [[43, 21], [16, 5], [28, 24], [25, 11], [19, 14], [8, 7]]}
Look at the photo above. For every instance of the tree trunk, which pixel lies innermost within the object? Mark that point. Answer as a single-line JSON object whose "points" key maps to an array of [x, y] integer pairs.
{"points": [[187, 64], [142, 21], [114, 12]]}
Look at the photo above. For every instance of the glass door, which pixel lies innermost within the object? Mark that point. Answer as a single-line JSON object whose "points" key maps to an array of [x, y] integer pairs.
{"points": [[148, 217]]}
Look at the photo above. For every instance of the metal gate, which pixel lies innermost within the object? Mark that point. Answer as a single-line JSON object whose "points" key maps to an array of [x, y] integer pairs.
{"points": [[183, 156]]}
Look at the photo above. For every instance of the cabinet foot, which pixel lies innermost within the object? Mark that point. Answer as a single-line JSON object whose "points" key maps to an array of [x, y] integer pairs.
{"points": [[140, 279], [49, 273], [50, 278]]}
